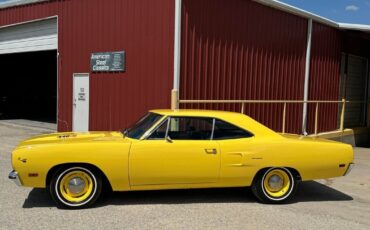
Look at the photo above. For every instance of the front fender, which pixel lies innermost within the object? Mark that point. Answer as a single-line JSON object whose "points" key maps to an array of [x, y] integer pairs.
{"points": [[34, 162]]}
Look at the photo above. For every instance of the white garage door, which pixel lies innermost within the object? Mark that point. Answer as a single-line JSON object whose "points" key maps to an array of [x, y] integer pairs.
{"points": [[28, 37]]}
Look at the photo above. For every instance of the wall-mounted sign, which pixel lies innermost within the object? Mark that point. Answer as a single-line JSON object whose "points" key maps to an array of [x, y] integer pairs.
{"points": [[108, 62]]}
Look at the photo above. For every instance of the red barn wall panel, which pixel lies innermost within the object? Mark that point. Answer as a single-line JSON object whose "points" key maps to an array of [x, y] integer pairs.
{"points": [[143, 28], [324, 76], [243, 50]]}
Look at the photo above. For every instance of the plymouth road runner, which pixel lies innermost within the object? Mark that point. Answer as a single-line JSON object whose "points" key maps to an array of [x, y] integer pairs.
{"points": [[177, 149]]}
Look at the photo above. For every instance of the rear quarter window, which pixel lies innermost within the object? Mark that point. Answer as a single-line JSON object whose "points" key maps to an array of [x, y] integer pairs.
{"points": [[224, 131]]}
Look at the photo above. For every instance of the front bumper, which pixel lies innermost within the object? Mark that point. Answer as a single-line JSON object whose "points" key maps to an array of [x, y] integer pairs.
{"points": [[13, 175]]}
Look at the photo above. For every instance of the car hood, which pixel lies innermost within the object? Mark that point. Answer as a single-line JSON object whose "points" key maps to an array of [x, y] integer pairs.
{"points": [[72, 137]]}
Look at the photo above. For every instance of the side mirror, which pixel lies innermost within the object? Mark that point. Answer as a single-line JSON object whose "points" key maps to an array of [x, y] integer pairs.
{"points": [[168, 139]]}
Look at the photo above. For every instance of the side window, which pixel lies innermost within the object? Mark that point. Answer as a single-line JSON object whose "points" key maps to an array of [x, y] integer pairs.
{"points": [[190, 128], [160, 132], [224, 130]]}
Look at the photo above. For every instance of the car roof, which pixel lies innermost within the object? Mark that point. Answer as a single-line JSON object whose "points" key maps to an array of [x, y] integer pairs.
{"points": [[195, 112]]}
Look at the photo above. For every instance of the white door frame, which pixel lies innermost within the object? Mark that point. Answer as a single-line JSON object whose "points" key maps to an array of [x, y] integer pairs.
{"points": [[73, 99]]}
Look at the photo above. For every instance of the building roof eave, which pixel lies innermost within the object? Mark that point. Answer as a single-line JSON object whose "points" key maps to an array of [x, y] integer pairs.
{"points": [[12, 3], [306, 14], [359, 27], [297, 11]]}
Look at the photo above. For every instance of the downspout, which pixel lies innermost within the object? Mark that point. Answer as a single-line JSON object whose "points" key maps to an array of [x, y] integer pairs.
{"points": [[307, 77], [177, 56]]}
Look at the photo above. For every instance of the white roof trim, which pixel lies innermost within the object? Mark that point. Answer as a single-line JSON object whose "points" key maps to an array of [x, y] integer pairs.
{"points": [[297, 11], [305, 14], [12, 3], [348, 26]]}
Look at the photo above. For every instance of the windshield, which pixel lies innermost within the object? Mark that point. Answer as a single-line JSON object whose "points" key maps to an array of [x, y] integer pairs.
{"points": [[145, 123]]}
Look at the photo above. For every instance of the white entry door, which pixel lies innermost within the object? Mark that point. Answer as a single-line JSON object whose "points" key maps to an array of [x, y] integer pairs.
{"points": [[80, 102]]}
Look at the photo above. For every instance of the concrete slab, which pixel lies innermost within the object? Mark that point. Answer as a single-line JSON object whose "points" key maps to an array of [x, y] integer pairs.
{"points": [[29, 124]]}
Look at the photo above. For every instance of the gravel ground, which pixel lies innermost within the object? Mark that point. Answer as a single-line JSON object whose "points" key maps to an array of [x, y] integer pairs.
{"points": [[341, 203]]}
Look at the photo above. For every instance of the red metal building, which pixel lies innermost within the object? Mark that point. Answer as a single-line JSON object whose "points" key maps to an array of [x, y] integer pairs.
{"points": [[209, 49]]}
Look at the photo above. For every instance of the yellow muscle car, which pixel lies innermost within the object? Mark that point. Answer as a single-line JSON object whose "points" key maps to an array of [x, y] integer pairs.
{"points": [[176, 149]]}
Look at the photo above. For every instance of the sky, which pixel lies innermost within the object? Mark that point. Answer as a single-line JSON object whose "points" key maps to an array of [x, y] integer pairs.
{"points": [[347, 11]]}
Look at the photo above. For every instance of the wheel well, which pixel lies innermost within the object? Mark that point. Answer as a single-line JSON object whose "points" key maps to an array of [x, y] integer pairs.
{"points": [[292, 170], [295, 173], [53, 170]]}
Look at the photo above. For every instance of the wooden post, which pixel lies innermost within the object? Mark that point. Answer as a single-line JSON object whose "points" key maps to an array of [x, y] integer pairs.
{"points": [[284, 118], [174, 99], [316, 117], [341, 128]]}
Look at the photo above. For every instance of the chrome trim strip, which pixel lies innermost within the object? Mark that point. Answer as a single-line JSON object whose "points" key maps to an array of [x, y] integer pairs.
{"points": [[349, 169], [213, 128], [154, 128], [168, 127]]}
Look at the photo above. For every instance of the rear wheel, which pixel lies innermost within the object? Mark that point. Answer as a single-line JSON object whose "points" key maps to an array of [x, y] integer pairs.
{"points": [[75, 187], [274, 185]]}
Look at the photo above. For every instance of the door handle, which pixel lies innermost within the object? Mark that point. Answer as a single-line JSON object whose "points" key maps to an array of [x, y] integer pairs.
{"points": [[211, 151]]}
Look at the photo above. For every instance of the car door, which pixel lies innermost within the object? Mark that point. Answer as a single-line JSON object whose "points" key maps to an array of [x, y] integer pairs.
{"points": [[179, 151]]}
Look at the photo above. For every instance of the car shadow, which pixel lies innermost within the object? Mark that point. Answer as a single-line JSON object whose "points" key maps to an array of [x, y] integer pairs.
{"points": [[309, 191], [38, 198], [314, 191]]}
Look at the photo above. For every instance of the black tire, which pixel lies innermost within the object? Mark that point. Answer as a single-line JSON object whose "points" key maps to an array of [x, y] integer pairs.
{"points": [[61, 193], [262, 192]]}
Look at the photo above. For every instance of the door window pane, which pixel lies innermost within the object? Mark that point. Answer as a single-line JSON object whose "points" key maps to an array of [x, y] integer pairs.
{"points": [[224, 130], [190, 128]]}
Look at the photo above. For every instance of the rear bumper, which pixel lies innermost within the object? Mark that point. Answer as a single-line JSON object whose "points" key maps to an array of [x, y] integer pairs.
{"points": [[349, 169], [13, 175]]}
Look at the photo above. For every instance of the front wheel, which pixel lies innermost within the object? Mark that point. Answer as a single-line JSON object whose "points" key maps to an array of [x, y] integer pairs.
{"points": [[274, 185], [75, 187]]}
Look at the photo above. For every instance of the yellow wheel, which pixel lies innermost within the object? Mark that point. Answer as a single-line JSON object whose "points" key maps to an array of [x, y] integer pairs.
{"points": [[75, 187], [274, 185]]}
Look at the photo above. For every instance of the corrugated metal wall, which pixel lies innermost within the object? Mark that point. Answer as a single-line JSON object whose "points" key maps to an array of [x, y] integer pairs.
{"points": [[243, 50], [324, 76], [143, 28], [230, 50]]}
